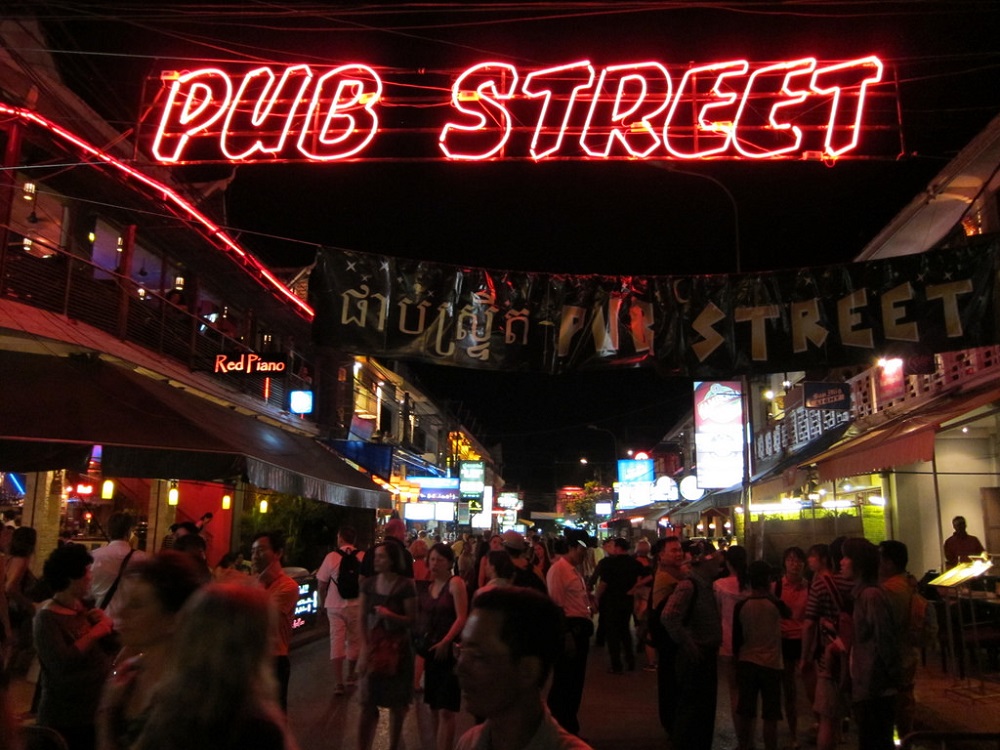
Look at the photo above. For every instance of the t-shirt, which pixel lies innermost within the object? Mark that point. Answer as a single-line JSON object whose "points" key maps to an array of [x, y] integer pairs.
{"points": [[727, 594], [756, 628], [619, 574], [329, 572], [549, 736]]}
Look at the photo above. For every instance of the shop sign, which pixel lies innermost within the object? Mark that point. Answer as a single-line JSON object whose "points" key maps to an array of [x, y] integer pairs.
{"points": [[719, 435], [732, 109], [472, 483], [250, 364], [437, 489], [510, 501], [833, 396]]}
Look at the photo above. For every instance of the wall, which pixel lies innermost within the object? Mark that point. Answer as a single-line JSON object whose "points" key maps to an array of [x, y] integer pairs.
{"points": [[964, 465], [198, 498]]}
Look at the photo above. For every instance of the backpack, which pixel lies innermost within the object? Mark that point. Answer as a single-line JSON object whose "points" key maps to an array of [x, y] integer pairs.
{"points": [[348, 576], [922, 629]]}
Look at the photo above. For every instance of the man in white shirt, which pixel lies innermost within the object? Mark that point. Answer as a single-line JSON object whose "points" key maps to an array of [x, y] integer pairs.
{"points": [[109, 561], [343, 613], [568, 590]]}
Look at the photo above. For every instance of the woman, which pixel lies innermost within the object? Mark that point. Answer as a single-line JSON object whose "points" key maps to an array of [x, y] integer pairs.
{"points": [[495, 545], [541, 558], [443, 608], [641, 592], [793, 589], [218, 690], [73, 649], [730, 590], [828, 597], [153, 592], [388, 611], [419, 551], [21, 589]]}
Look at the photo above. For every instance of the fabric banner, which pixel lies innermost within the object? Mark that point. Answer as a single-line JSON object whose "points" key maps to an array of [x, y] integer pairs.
{"points": [[696, 326]]}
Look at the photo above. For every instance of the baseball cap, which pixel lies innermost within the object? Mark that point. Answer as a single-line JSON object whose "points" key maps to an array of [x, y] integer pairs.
{"points": [[514, 541]]}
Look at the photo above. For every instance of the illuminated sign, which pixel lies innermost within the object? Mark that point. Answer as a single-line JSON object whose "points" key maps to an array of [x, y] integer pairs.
{"points": [[300, 402], [250, 364], [307, 605], [733, 109], [437, 489], [718, 433], [472, 482]]}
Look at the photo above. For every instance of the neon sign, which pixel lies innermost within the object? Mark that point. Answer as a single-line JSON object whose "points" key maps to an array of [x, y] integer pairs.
{"points": [[732, 109]]}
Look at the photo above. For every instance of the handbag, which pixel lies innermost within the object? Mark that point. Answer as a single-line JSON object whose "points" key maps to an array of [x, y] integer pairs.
{"points": [[422, 643], [385, 650]]}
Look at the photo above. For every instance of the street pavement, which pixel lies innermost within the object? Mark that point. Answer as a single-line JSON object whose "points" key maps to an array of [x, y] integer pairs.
{"points": [[618, 711]]}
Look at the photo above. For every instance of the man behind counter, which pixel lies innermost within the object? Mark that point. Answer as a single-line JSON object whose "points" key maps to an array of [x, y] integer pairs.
{"points": [[961, 545]]}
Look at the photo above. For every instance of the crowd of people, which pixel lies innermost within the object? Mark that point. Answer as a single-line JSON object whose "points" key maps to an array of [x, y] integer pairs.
{"points": [[142, 650], [139, 651]]}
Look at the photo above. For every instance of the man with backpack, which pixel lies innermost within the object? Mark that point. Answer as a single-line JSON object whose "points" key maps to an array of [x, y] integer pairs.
{"points": [[342, 568]]}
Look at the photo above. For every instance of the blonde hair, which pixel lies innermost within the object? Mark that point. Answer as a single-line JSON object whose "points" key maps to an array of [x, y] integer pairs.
{"points": [[220, 673]]}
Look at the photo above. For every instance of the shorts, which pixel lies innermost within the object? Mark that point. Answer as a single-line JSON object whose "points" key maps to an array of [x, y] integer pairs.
{"points": [[345, 638], [791, 650], [753, 679], [830, 701]]}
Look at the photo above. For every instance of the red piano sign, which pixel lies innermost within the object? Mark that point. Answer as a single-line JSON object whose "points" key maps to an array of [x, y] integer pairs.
{"points": [[800, 109]]}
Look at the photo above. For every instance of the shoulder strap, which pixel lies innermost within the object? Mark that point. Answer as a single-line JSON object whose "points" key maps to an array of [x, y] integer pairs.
{"points": [[114, 586]]}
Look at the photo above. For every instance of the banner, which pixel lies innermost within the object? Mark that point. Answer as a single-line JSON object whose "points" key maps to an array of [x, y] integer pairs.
{"points": [[719, 437], [697, 326]]}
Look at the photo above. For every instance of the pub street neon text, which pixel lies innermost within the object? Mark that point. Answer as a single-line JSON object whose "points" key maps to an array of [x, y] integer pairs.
{"points": [[731, 109]]}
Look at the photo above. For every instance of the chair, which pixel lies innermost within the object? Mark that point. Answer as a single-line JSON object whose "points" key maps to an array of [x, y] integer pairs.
{"points": [[42, 738]]}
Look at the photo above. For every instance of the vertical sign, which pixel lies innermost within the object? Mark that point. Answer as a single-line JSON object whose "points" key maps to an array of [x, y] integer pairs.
{"points": [[718, 433], [471, 483]]}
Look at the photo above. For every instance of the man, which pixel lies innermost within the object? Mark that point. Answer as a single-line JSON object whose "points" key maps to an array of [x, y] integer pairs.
{"points": [[342, 606], [669, 557], [617, 575], [265, 554], [509, 644], [195, 547], [961, 545], [900, 588], [110, 562], [516, 547], [394, 532], [691, 619], [758, 658], [600, 555], [568, 590], [874, 652]]}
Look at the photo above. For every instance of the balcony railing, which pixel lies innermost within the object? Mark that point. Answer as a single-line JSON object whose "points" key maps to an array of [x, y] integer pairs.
{"points": [[74, 287], [954, 370]]}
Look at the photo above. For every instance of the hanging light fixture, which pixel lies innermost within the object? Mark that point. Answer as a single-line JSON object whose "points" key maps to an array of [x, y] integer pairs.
{"points": [[107, 489], [227, 501], [263, 506], [173, 494]]}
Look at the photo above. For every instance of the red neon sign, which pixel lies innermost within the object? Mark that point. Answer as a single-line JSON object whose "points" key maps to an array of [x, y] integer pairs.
{"points": [[732, 109]]}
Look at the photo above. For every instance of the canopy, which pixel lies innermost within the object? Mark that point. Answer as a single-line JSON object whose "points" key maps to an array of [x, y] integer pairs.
{"points": [[149, 428]]}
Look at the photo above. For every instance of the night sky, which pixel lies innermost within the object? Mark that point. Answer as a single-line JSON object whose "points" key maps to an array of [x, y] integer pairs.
{"points": [[564, 217]]}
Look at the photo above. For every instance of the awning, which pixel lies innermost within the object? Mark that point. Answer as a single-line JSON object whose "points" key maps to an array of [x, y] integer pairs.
{"points": [[151, 429], [906, 440]]}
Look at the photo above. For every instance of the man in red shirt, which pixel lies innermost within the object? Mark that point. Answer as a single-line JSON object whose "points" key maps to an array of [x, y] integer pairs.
{"points": [[961, 545], [266, 553]]}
